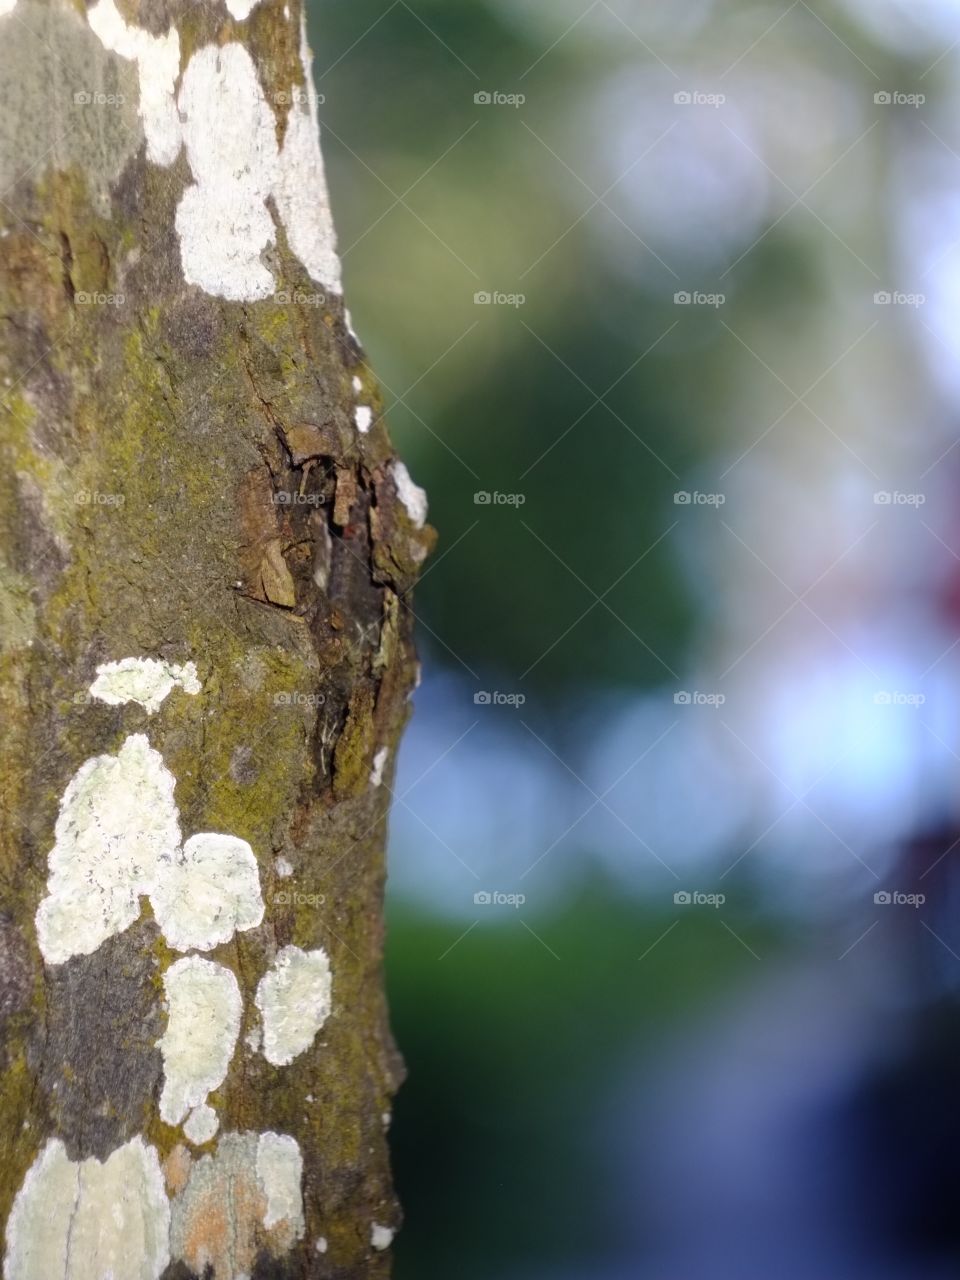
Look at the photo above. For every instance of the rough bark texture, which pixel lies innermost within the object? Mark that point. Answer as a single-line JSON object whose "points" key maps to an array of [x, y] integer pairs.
{"points": [[150, 448]]}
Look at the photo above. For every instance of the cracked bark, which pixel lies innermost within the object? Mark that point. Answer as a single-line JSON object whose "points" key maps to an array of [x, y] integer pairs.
{"points": [[182, 479]]}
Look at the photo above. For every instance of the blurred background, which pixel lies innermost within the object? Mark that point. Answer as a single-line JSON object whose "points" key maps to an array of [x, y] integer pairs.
{"points": [[665, 302]]}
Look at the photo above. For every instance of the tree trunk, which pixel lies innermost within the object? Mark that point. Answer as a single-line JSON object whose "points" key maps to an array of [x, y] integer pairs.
{"points": [[206, 546]]}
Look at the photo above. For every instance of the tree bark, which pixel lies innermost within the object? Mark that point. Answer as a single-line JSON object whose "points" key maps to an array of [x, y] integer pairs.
{"points": [[206, 550]]}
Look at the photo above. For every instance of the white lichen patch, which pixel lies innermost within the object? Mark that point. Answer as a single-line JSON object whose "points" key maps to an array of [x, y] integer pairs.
{"points": [[144, 680], [381, 1237], [121, 1225], [207, 891], [241, 9], [300, 188], [204, 1007], [223, 222], [229, 131], [294, 999], [280, 1172], [118, 837], [40, 1218], [201, 1124], [363, 417], [90, 1220], [158, 65], [411, 495], [379, 764], [7, 6], [117, 820], [283, 868]]}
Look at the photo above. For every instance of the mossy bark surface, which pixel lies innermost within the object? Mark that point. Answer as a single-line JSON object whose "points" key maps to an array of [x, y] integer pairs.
{"points": [[181, 478]]}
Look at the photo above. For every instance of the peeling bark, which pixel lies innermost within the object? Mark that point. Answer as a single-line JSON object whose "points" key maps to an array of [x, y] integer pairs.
{"points": [[183, 480]]}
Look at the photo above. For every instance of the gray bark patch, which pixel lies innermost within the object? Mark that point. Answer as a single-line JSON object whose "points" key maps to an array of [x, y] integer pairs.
{"points": [[102, 1065], [16, 971], [67, 100]]}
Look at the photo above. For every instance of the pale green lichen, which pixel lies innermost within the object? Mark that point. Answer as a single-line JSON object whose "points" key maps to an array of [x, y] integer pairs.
{"points": [[204, 1010], [201, 1124], [294, 999], [117, 820], [280, 1172], [143, 680], [77, 1221], [207, 892]]}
